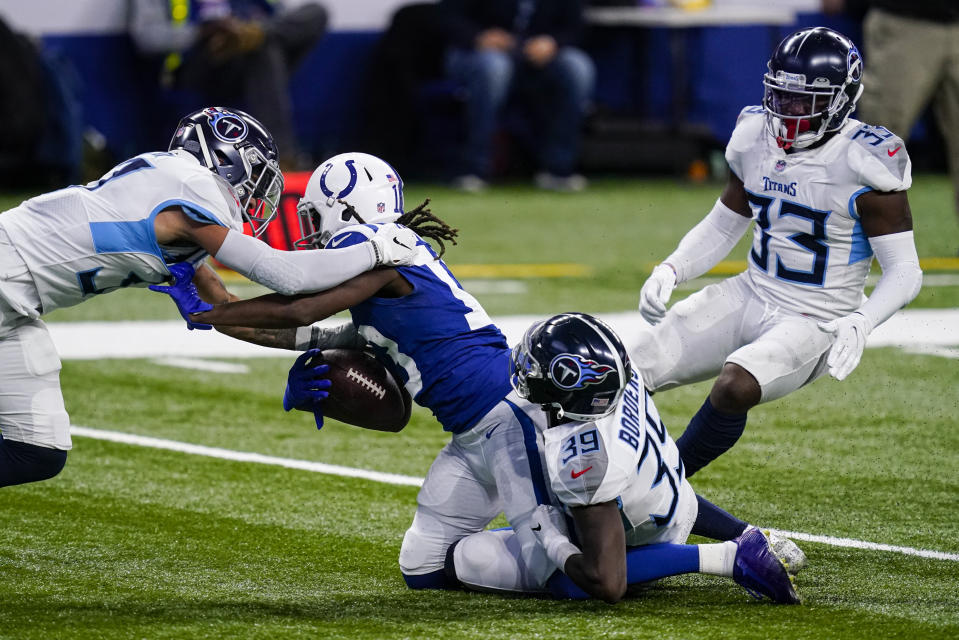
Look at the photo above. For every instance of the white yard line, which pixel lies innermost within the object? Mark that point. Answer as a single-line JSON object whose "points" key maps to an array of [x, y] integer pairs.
{"points": [[243, 456], [198, 364], [871, 546], [397, 479]]}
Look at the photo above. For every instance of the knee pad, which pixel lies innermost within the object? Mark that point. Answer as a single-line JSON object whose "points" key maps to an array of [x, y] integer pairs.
{"points": [[421, 552], [493, 561]]}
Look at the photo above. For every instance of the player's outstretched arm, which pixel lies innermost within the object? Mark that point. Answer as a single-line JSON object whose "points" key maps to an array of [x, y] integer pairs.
{"points": [[288, 272], [210, 285], [700, 249], [887, 221], [274, 311], [212, 289]]}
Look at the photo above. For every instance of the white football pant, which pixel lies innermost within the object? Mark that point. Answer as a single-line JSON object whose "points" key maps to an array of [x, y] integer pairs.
{"points": [[728, 322]]}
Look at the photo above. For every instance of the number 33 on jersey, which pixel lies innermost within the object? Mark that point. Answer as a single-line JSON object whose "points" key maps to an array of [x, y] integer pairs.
{"points": [[809, 251]]}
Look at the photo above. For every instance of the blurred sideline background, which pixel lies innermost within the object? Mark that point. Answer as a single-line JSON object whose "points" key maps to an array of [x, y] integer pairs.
{"points": [[668, 89]]}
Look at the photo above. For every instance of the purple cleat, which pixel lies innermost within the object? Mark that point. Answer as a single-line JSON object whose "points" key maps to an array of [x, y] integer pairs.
{"points": [[759, 571]]}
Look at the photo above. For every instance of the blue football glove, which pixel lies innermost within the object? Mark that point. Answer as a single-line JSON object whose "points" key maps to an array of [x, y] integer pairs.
{"points": [[184, 294], [306, 386]]}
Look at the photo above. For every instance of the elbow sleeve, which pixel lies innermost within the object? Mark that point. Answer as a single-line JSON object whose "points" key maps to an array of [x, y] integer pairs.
{"points": [[293, 272], [901, 276], [708, 242]]}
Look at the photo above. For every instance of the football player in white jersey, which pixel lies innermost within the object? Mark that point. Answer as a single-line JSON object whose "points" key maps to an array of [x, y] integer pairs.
{"points": [[614, 483], [827, 193], [127, 229]]}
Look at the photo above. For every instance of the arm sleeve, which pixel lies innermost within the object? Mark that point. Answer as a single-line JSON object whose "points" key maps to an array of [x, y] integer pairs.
{"points": [[293, 272], [324, 336], [707, 243], [901, 277]]}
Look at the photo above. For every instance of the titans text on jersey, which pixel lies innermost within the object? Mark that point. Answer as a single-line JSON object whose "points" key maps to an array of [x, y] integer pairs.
{"points": [[810, 253]]}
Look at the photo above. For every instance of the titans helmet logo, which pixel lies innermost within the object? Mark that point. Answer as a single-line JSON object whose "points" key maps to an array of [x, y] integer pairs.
{"points": [[854, 64], [227, 126], [570, 371]]}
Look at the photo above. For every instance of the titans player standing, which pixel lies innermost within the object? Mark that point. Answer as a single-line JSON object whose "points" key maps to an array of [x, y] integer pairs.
{"points": [[827, 193]]}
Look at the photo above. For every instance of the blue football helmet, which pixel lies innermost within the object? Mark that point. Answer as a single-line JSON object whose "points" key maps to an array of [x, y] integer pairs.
{"points": [[812, 86], [573, 364], [234, 145]]}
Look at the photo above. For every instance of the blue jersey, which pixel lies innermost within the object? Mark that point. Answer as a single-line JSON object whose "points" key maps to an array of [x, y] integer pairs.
{"points": [[437, 340]]}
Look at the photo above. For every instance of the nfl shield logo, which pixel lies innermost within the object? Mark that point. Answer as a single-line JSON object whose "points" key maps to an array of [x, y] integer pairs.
{"points": [[780, 165], [380, 207]]}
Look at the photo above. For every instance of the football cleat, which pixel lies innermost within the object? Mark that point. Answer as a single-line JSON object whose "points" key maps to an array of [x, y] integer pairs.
{"points": [[759, 571], [787, 551]]}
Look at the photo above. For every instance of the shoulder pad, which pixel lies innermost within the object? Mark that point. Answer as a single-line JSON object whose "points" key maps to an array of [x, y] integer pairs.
{"points": [[750, 128], [352, 235], [750, 112], [209, 199], [577, 463], [880, 158]]}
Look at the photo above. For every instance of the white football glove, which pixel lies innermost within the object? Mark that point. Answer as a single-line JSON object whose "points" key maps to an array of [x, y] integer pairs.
{"points": [[851, 332], [549, 527], [394, 246], [655, 293]]}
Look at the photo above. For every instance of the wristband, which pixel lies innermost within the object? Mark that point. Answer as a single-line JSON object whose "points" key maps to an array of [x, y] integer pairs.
{"points": [[558, 554]]}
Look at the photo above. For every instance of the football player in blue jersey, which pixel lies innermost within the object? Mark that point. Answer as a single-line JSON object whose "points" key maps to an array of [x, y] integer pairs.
{"points": [[131, 228], [827, 193], [438, 341]]}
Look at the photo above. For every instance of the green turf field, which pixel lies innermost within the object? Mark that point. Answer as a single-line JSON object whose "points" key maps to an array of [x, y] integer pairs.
{"points": [[135, 542]]}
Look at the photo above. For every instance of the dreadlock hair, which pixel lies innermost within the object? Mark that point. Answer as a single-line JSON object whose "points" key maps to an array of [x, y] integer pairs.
{"points": [[422, 222]]}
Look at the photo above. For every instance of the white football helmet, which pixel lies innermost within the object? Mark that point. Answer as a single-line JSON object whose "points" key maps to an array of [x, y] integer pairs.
{"points": [[351, 188]]}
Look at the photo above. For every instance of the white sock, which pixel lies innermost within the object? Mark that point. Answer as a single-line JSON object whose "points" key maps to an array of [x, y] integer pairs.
{"points": [[718, 559]]}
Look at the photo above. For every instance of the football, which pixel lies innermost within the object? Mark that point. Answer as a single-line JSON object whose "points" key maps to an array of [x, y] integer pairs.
{"points": [[363, 392]]}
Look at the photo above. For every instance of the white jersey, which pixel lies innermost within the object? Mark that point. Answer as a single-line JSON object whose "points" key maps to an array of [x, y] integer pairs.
{"points": [[85, 240], [628, 457], [810, 253]]}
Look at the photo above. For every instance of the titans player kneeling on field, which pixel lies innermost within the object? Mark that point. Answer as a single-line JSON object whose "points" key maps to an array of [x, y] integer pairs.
{"points": [[615, 507], [827, 192]]}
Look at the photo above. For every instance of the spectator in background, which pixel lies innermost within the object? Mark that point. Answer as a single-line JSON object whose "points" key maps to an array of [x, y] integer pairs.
{"points": [[233, 52], [42, 144], [913, 53], [523, 47]]}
